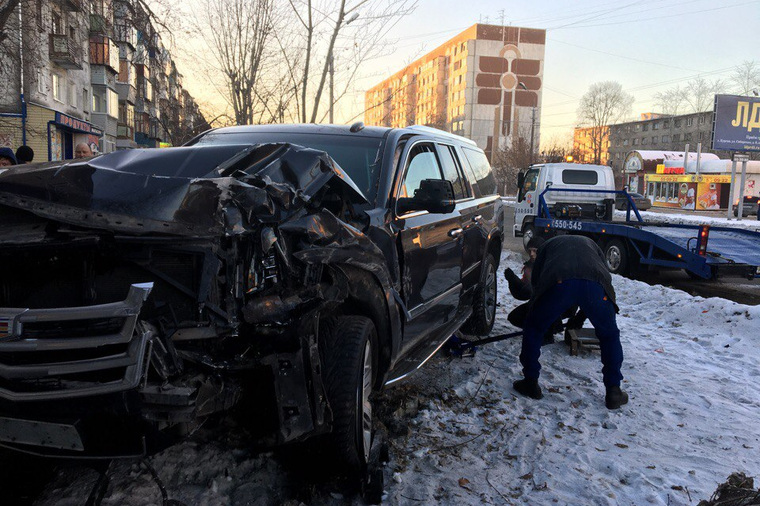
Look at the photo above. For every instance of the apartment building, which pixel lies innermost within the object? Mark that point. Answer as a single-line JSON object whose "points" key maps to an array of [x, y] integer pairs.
{"points": [[485, 84], [591, 145], [73, 71]]}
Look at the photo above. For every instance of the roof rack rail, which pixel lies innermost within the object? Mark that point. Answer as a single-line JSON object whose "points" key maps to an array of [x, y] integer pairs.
{"points": [[441, 133]]}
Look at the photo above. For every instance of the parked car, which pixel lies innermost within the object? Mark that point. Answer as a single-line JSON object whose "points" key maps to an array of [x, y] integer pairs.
{"points": [[288, 270], [642, 203], [749, 206]]}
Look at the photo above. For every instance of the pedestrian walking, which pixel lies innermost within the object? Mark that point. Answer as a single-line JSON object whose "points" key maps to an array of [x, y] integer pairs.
{"points": [[570, 271]]}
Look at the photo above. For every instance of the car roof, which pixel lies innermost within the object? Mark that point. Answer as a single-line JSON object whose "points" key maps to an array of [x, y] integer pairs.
{"points": [[357, 129]]}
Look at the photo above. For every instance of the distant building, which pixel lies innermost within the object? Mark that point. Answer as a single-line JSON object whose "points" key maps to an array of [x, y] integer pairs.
{"points": [[86, 72], [484, 84], [586, 146]]}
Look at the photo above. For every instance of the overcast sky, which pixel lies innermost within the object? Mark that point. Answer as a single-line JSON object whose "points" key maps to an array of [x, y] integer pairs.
{"points": [[646, 45]]}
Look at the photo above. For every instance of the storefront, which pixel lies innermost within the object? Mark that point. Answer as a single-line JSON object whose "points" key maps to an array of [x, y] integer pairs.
{"points": [[689, 191], [65, 132]]}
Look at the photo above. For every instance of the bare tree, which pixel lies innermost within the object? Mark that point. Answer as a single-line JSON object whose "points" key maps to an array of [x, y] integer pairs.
{"points": [[746, 78], [351, 31], [699, 94], [510, 159], [603, 104], [239, 32], [670, 101], [557, 148]]}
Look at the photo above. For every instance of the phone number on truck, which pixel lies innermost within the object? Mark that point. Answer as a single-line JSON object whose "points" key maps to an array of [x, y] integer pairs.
{"points": [[567, 225]]}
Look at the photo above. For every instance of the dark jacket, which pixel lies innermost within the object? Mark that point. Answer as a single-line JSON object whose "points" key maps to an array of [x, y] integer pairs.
{"points": [[570, 257], [520, 287]]}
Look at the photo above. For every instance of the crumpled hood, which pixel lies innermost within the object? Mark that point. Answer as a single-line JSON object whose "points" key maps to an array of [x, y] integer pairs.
{"points": [[195, 191]]}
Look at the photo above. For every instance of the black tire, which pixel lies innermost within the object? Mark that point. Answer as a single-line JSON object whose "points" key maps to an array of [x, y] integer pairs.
{"points": [[616, 257], [529, 232], [484, 303], [349, 369]]}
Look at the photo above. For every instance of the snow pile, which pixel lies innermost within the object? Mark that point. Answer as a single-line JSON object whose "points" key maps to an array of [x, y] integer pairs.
{"points": [[460, 435], [719, 220]]}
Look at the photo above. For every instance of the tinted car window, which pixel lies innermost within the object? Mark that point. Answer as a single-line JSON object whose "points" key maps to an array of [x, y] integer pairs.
{"points": [[423, 164], [570, 176], [481, 169], [450, 171], [358, 156]]}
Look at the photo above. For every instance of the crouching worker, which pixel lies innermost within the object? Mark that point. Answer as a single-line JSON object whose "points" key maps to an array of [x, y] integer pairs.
{"points": [[570, 270], [521, 289]]}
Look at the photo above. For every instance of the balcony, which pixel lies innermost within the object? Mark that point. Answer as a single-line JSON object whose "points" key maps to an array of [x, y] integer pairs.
{"points": [[64, 52], [125, 32], [104, 51], [125, 131], [71, 5]]}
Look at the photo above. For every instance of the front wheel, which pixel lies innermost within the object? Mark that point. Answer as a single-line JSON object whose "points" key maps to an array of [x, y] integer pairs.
{"points": [[616, 257], [349, 353], [484, 304]]}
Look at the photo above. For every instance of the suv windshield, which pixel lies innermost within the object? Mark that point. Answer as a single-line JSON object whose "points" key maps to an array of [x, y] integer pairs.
{"points": [[359, 156]]}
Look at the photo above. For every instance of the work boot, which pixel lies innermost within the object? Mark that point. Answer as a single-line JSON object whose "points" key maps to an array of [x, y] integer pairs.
{"points": [[528, 388], [615, 398]]}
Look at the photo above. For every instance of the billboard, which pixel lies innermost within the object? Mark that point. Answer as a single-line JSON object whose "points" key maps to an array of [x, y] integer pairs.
{"points": [[736, 123]]}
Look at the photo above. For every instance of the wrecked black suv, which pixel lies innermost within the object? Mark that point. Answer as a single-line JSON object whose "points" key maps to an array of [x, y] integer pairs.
{"points": [[289, 271]]}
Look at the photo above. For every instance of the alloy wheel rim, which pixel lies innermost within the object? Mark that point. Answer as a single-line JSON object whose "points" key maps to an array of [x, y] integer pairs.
{"points": [[490, 293], [366, 405], [613, 258]]}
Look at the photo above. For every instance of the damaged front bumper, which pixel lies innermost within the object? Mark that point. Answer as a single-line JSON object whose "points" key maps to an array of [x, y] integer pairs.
{"points": [[80, 359]]}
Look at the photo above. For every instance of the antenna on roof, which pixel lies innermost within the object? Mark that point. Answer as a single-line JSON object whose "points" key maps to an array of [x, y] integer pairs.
{"points": [[357, 127]]}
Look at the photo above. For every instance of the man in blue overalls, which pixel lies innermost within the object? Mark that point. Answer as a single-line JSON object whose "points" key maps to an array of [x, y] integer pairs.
{"points": [[570, 270]]}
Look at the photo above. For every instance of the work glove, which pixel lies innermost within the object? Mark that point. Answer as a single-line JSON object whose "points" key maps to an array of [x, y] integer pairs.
{"points": [[510, 275]]}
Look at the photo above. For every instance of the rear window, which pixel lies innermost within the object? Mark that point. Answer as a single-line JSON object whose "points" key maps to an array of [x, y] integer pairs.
{"points": [[571, 176], [481, 170], [359, 156]]}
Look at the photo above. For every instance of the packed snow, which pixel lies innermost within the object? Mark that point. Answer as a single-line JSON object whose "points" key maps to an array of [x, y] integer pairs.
{"points": [[716, 219], [460, 435]]}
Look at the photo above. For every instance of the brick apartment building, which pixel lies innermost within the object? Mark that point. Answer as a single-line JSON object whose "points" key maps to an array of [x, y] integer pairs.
{"points": [[94, 72], [485, 84]]}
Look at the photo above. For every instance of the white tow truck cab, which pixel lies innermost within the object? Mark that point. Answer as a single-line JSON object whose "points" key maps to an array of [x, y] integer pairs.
{"points": [[576, 204]]}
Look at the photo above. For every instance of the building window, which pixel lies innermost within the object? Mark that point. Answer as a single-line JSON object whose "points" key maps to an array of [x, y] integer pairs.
{"points": [[645, 141], [689, 121], [665, 138], [638, 127], [72, 95], [666, 124], [656, 126], [701, 120], [40, 81], [635, 142], [57, 23], [59, 88], [85, 99], [677, 123], [98, 102], [625, 142], [654, 140], [113, 103], [646, 127]]}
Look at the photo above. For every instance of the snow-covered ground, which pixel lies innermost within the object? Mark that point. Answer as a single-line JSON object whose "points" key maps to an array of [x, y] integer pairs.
{"points": [[460, 435]]}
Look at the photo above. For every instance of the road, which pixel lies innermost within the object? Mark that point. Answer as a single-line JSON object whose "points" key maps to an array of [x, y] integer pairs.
{"points": [[736, 289]]}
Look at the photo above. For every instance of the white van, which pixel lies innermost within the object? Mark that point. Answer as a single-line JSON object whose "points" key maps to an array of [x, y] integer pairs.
{"points": [[558, 176]]}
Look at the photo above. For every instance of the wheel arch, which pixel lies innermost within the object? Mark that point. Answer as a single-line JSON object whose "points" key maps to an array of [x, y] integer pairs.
{"points": [[368, 298]]}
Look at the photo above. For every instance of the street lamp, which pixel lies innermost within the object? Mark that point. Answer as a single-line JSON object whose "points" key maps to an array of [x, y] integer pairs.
{"points": [[532, 122]]}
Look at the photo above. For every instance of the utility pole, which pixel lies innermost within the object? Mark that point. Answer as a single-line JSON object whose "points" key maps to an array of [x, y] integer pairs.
{"points": [[532, 132]]}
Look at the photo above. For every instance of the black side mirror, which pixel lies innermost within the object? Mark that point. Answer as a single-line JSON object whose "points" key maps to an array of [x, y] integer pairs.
{"points": [[434, 196], [520, 179]]}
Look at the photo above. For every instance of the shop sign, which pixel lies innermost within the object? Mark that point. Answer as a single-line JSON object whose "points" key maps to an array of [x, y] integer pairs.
{"points": [[736, 123], [76, 124]]}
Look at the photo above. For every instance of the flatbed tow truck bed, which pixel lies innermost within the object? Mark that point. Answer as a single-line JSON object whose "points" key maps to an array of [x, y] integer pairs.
{"points": [[703, 251]]}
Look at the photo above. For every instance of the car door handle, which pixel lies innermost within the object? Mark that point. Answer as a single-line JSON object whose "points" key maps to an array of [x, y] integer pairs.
{"points": [[477, 218], [455, 232]]}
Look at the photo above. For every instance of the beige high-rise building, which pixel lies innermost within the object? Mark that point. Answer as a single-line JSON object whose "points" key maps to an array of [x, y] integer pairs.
{"points": [[484, 84]]}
